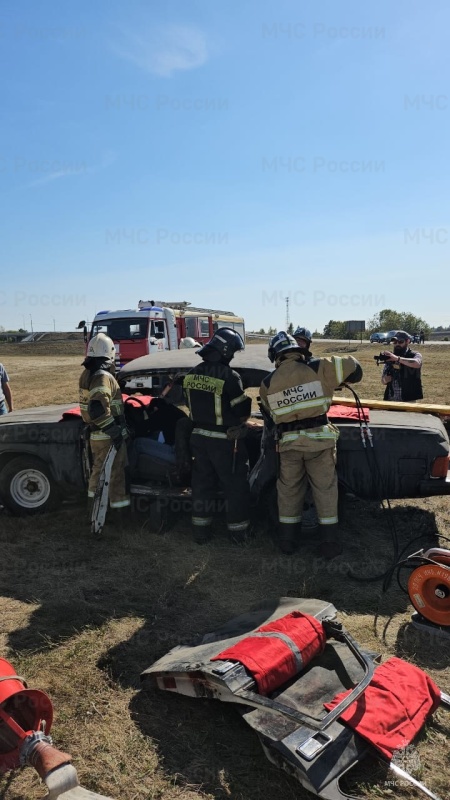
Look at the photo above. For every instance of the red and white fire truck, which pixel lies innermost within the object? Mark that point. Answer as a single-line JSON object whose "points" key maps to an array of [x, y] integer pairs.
{"points": [[158, 325]]}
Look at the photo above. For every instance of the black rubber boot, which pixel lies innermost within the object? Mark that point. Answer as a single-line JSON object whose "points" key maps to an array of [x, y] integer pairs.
{"points": [[202, 533], [288, 537], [118, 519], [241, 537], [89, 509], [330, 545]]}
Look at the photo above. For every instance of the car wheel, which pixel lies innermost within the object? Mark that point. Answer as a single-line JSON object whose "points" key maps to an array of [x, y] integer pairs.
{"points": [[27, 487]]}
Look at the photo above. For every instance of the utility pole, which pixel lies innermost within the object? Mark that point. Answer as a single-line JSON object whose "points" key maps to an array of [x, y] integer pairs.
{"points": [[31, 323], [54, 329], [288, 322]]}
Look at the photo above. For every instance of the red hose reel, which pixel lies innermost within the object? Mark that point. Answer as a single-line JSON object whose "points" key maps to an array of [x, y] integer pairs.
{"points": [[429, 586], [22, 712]]}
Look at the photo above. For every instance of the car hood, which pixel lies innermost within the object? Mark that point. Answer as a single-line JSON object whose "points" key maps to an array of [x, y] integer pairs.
{"points": [[39, 414], [252, 364]]}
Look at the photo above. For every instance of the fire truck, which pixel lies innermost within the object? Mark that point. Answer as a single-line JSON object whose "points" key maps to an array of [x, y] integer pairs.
{"points": [[158, 325]]}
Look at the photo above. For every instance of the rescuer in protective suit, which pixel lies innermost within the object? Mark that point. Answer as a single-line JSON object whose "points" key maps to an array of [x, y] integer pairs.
{"points": [[218, 409], [303, 338], [297, 396], [102, 409]]}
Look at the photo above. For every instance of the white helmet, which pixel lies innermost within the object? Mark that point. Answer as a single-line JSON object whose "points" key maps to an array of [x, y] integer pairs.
{"points": [[188, 341], [101, 346]]}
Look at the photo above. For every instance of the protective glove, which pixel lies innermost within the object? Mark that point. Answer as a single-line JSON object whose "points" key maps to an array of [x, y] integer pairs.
{"points": [[116, 434], [237, 432]]}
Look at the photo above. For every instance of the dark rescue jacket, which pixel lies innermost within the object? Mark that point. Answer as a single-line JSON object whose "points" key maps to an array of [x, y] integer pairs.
{"points": [[215, 398]]}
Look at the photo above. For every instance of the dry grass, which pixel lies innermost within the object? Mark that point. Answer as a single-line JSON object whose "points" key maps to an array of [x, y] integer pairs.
{"points": [[82, 618]]}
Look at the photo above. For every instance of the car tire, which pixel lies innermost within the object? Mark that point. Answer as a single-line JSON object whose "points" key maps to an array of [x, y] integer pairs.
{"points": [[27, 486]]}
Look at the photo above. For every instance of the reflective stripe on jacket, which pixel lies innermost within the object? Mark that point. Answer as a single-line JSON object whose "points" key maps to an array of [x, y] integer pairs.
{"points": [[297, 390], [100, 386], [215, 397]]}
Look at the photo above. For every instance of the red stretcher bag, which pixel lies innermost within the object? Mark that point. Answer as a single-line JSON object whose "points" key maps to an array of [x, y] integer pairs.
{"points": [[279, 650]]}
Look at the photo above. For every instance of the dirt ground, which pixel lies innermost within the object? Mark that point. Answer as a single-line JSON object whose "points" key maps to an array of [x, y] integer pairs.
{"points": [[81, 618]]}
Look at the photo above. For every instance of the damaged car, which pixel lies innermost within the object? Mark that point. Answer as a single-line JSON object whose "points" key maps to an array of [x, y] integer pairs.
{"points": [[44, 453]]}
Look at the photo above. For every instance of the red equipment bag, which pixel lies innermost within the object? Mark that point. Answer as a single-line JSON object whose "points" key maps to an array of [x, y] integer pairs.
{"points": [[393, 708], [279, 650], [348, 412]]}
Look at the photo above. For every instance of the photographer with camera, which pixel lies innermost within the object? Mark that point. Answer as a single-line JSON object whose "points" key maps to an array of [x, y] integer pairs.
{"points": [[402, 371]]}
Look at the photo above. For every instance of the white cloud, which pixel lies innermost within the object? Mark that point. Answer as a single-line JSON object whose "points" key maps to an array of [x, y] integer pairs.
{"points": [[165, 51], [72, 169]]}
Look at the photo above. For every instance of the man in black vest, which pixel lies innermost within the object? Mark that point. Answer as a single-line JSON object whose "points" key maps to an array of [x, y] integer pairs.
{"points": [[402, 371]]}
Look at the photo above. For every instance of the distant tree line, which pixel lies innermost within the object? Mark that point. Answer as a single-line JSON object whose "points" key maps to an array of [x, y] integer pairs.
{"points": [[385, 320]]}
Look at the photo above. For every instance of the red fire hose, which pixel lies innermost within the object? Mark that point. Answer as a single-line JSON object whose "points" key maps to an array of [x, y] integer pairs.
{"points": [[26, 717]]}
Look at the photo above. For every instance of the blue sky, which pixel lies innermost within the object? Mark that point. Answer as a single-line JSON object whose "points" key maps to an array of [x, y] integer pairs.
{"points": [[228, 154]]}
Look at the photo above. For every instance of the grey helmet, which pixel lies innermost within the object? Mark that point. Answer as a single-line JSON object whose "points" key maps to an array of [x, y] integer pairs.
{"points": [[282, 342], [303, 333]]}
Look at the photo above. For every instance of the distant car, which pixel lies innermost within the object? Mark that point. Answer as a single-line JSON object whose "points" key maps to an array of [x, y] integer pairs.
{"points": [[385, 338], [390, 334], [378, 338], [414, 336], [44, 454]]}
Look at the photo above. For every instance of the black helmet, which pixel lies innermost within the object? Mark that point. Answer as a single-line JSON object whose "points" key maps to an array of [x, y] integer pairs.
{"points": [[282, 342], [303, 333], [225, 341]]}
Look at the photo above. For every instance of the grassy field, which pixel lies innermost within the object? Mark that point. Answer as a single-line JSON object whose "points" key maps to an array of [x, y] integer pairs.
{"points": [[81, 618]]}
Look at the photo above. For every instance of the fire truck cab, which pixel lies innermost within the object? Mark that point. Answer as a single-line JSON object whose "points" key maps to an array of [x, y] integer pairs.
{"points": [[137, 333], [158, 325]]}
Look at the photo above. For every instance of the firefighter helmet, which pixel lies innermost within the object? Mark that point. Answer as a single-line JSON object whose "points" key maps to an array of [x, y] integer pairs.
{"points": [[101, 346], [225, 341], [303, 333], [282, 342], [188, 341]]}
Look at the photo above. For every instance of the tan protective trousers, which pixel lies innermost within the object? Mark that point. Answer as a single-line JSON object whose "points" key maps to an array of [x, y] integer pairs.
{"points": [[306, 460], [118, 494]]}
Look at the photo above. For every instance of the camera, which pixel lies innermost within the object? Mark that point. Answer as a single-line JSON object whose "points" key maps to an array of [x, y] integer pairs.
{"points": [[381, 359]]}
